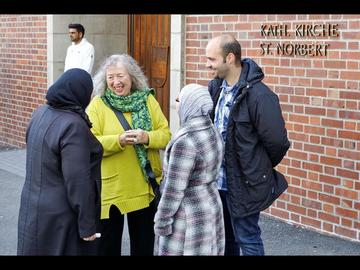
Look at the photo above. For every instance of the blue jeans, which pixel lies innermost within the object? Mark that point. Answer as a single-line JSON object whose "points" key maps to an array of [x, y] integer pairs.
{"points": [[245, 233], [231, 247]]}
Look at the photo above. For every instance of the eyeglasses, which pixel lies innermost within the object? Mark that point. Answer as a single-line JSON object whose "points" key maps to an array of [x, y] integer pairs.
{"points": [[177, 99]]}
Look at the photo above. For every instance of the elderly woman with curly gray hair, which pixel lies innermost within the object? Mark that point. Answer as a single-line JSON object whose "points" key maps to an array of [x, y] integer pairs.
{"points": [[120, 86]]}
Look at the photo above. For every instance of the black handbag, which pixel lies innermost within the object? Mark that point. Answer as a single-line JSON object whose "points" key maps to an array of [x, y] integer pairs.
{"points": [[149, 172]]}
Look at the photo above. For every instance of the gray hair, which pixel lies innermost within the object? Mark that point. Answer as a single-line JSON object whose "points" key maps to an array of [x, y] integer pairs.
{"points": [[138, 79], [195, 101]]}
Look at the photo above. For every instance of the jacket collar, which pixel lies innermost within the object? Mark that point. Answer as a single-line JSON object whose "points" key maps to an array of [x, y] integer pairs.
{"points": [[81, 43], [250, 74]]}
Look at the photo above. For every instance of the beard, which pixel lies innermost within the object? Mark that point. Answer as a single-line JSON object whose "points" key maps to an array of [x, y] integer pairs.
{"points": [[222, 71], [220, 75], [217, 74]]}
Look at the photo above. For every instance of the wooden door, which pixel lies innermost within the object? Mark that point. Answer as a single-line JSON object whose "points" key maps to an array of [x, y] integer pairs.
{"points": [[149, 44]]}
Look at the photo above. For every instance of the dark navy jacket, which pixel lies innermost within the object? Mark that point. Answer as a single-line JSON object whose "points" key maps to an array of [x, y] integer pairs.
{"points": [[256, 142]]}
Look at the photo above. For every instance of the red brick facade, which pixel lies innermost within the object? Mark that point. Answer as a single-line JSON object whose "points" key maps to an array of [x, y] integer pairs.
{"points": [[319, 96], [23, 73]]}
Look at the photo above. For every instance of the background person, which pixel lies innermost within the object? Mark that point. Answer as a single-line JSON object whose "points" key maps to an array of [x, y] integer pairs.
{"points": [[81, 53], [60, 199], [189, 219], [120, 85]]}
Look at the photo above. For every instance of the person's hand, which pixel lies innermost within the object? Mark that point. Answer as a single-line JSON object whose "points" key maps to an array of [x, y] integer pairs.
{"points": [[134, 136], [125, 139], [90, 238], [141, 136]]}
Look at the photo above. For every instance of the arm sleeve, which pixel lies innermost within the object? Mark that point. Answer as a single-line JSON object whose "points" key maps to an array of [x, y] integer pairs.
{"points": [[270, 126], [110, 143], [66, 60], [81, 191], [181, 164], [88, 60]]}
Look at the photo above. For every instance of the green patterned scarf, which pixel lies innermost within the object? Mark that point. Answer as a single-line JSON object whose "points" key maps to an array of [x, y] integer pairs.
{"points": [[136, 104]]}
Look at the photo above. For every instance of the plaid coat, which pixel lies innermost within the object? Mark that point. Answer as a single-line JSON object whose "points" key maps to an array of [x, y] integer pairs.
{"points": [[189, 219]]}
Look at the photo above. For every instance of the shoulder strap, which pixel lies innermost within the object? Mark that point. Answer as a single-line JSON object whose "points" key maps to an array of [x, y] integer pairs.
{"points": [[121, 118]]}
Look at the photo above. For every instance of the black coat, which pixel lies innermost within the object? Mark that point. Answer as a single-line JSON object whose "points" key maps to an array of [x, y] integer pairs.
{"points": [[256, 142], [60, 200]]}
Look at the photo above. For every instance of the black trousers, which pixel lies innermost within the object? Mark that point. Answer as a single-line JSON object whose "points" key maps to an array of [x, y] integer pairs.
{"points": [[141, 232]]}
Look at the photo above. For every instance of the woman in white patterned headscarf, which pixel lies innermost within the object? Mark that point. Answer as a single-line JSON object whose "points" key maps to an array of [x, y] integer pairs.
{"points": [[189, 219]]}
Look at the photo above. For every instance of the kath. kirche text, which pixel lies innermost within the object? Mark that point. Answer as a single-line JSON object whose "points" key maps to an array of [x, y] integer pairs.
{"points": [[297, 47]]}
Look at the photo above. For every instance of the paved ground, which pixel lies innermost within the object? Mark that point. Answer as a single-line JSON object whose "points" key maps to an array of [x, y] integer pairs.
{"points": [[279, 237]]}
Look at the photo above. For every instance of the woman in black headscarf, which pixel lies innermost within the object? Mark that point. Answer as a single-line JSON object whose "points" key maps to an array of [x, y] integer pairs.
{"points": [[60, 200]]}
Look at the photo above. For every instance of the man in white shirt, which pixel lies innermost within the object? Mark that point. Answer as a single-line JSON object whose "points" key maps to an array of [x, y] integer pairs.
{"points": [[80, 54]]}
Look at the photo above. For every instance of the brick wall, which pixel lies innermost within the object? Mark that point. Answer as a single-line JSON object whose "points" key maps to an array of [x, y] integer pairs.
{"points": [[23, 73], [320, 100]]}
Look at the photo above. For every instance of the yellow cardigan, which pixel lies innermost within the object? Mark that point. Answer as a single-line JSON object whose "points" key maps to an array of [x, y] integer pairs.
{"points": [[123, 183]]}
